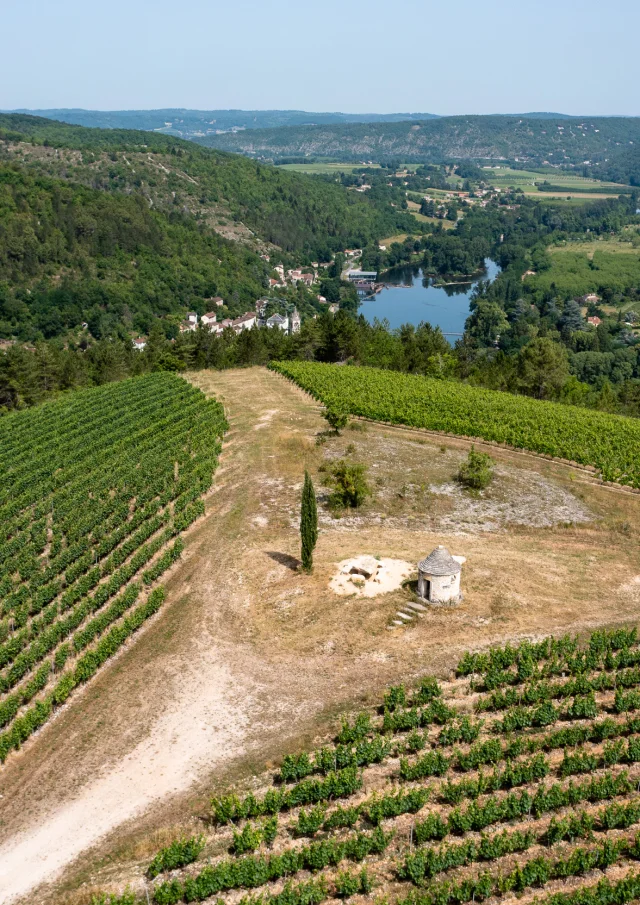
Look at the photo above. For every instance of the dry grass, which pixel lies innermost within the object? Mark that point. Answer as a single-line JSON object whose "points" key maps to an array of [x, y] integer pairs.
{"points": [[548, 550]]}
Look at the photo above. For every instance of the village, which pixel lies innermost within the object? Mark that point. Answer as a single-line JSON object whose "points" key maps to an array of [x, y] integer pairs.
{"points": [[288, 322]]}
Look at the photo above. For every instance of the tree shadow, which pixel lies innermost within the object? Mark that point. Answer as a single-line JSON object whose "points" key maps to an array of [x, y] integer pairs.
{"points": [[285, 560], [323, 436]]}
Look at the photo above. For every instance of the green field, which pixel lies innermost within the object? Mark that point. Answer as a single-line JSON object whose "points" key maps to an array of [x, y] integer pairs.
{"points": [[564, 200], [579, 268], [333, 166], [609, 443], [322, 169], [98, 487], [527, 179]]}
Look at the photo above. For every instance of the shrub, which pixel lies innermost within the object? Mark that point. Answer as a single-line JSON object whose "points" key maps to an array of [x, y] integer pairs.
{"points": [[350, 884], [477, 471], [336, 419], [178, 854], [348, 483]]}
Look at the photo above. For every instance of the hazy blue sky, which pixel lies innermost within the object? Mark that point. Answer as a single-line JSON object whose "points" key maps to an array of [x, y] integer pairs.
{"points": [[469, 56]]}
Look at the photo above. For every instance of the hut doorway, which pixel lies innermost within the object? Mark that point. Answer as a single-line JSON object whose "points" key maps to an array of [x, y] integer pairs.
{"points": [[427, 589]]}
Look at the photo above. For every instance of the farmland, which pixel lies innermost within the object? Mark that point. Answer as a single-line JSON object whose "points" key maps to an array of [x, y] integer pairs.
{"points": [[327, 168], [608, 443], [213, 689], [529, 180], [519, 771], [581, 267], [97, 489]]}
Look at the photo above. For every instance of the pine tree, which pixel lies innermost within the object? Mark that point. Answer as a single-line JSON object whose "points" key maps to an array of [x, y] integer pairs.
{"points": [[308, 523]]}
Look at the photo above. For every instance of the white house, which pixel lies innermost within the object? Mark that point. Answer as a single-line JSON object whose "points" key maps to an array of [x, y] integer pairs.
{"points": [[139, 343], [245, 322], [280, 321], [192, 317], [209, 318]]}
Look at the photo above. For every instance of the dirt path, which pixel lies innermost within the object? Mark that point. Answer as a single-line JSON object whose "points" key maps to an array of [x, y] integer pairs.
{"points": [[199, 727], [248, 658]]}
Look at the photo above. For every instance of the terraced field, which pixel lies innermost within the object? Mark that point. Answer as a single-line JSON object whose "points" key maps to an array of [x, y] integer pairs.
{"points": [[97, 489], [518, 775]]}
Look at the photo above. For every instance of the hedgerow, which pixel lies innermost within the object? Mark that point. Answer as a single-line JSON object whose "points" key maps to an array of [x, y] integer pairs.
{"points": [[338, 784], [178, 854]]}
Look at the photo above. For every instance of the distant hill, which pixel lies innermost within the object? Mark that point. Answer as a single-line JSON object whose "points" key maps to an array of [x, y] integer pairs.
{"points": [[595, 142], [194, 124]]}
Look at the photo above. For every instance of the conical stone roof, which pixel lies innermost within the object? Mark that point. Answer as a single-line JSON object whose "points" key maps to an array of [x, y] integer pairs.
{"points": [[439, 562]]}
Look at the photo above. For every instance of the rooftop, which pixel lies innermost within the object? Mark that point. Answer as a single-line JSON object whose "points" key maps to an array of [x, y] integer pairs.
{"points": [[439, 562]]}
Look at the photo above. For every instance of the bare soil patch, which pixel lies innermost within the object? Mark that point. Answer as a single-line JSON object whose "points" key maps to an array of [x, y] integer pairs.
{"points": [[389, 575], [250, 658]]}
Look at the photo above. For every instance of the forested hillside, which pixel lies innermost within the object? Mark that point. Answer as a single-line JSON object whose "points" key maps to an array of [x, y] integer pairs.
{"points": [[118, 228], [296, 213], [70, 254], [598, 141]]}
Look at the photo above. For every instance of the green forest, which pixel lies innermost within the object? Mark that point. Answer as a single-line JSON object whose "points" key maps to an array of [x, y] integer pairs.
{"points": [[69, 254], [117, 229], [297, 214]]}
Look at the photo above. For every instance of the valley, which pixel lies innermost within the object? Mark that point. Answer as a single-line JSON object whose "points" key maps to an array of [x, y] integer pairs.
{"points": [[319, 454]]}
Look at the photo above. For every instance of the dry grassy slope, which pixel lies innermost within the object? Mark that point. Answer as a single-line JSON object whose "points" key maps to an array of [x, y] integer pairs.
{"points": [[249, 659]]}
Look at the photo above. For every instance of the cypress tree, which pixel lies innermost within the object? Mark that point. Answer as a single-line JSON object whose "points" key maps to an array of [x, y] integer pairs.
{"points": [[308, 523]]}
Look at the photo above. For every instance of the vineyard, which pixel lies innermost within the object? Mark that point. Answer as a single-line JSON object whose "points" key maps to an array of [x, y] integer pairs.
{"points": [[609, 443], [519, 775], [97, 489]]}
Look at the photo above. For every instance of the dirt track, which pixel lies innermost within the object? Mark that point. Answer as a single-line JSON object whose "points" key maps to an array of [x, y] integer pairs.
{"points": [[248, 657]]}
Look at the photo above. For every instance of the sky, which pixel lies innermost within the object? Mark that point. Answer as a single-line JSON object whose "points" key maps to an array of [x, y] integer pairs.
{"points": [[471, 56]]}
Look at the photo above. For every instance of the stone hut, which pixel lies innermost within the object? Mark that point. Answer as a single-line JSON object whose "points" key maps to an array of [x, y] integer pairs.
{"points": [[439, 577]]}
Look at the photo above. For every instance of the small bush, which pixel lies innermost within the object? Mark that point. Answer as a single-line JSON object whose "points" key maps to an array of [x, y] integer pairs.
{"points": [[309, 822], [350, 884], [178, 854], [348, 483], [477, 471], [336, 420], [246, 841]]}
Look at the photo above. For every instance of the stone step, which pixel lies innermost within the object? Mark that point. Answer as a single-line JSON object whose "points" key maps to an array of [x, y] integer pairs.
{"points": [[418, 607], [404, 616], [398, 622]]}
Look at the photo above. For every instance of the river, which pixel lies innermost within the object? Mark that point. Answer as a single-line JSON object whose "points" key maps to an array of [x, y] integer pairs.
{"points": [[409, 298]]}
